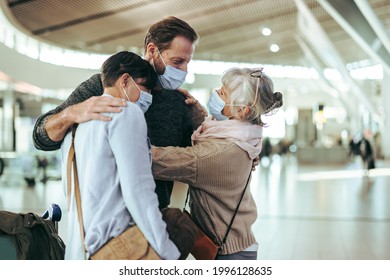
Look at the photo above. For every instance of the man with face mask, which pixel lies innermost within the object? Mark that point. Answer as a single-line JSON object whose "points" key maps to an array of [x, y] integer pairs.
{"points": [[169, 46]]}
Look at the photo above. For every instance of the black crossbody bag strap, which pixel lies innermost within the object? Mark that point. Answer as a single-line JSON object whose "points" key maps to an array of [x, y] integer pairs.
{"points": [[235, 212]]}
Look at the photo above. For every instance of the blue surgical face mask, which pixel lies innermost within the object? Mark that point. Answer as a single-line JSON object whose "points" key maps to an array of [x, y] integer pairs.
{"points": [[145, 98], [216, 105], [144, 101], [172, 78]]}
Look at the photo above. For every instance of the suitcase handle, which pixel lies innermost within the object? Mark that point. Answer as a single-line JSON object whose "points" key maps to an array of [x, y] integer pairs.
{"points": [[53, 213]]}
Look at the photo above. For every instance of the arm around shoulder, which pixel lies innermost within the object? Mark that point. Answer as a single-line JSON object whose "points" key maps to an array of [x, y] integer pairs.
{"points": [[50, 128], [41, 140]]}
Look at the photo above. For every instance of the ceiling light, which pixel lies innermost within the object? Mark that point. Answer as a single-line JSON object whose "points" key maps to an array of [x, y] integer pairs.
{"points": [[274, 48], [266, 31]]}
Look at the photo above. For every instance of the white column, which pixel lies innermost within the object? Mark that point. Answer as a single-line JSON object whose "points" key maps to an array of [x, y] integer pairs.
{"points": [[385, 133], [7, 118]]}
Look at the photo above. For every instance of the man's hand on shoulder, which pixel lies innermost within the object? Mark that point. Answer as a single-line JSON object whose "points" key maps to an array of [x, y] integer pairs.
{"points": [[190, 100], [92, 108], [199, 113]]}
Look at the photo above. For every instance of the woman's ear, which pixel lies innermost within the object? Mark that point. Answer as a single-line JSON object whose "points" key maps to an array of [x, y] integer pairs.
{"points": [[243, 111]]}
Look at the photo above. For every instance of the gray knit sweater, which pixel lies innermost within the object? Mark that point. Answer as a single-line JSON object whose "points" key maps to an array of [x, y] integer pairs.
{"points": [[170, 123]]}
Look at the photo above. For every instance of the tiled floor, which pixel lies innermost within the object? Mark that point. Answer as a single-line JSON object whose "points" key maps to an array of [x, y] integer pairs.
{"points": [[305, 212]]}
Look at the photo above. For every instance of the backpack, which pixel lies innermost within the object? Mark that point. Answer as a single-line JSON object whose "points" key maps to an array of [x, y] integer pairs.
{"points": [[29, 237]]}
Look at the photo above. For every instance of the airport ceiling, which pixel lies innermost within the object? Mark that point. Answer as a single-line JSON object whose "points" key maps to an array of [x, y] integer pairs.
{"points": [[229, 30]]}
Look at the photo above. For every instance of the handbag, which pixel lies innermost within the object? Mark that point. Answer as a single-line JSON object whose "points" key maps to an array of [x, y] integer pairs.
{"points": [[129, 245], [204, 248], [181, 230]]}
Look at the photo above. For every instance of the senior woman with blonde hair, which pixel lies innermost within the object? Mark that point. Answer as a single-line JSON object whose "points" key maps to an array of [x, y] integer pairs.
{"points": [[219, 163]]}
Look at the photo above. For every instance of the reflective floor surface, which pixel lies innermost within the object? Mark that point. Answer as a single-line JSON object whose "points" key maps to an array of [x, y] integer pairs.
{"points": [[311, 212]]}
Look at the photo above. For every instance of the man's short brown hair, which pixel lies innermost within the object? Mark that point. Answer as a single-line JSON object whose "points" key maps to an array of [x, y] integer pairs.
{"points": [[163, 32]]}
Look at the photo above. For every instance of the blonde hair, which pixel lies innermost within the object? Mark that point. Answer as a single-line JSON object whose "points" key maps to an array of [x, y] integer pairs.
{"points": [[241, 83]]}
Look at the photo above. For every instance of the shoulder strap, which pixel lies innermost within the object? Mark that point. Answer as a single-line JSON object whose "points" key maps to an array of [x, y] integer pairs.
{"points": [[235, 212], [72, 161]]}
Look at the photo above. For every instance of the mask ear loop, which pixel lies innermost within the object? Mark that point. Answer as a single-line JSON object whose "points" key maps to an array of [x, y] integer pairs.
{"points": [[128, 99], [136, 84], [161, 56]]}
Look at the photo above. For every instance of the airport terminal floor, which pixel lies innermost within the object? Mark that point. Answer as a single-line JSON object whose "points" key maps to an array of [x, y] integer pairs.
{"points": [[305, 212]]}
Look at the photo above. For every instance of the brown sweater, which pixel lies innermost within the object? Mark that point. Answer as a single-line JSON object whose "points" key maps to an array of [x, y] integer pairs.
{"points": [[216, 171]]}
